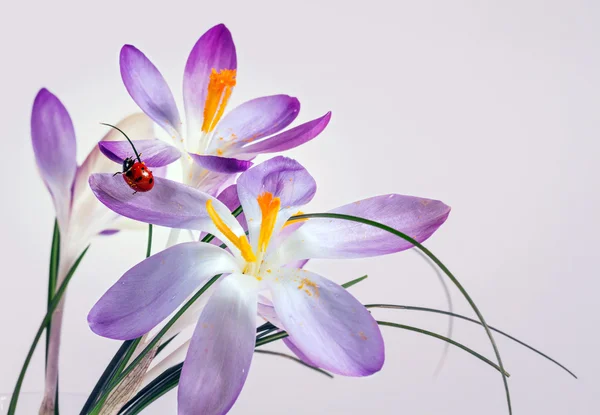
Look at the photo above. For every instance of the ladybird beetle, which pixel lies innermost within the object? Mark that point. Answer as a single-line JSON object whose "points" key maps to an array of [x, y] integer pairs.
{"points": [[137, 175]]}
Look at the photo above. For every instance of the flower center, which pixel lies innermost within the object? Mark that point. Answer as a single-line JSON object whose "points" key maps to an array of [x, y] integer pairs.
{"points": [[220, 87], [269, 207]]}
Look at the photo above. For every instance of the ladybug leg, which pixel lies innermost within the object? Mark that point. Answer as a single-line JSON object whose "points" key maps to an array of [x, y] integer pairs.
{"points": [[119, 172], [134, 192]]}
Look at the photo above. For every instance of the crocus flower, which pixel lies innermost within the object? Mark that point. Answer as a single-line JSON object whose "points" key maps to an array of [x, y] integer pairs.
{"points": [[79, 214], [325, 323], [219, 146]]}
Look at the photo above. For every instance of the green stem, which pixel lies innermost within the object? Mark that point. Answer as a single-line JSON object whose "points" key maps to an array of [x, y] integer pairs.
{"points": [[55, 300], [438, 263], [149, 248]]}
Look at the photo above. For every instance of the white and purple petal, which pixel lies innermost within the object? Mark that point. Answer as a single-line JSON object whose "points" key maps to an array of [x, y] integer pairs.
{"points": [[169, 204], [153, 152], [219, 357], [150, 291], [88, 215], [288, 139], [417, 217], [253, 120], [54, 145], [221, 164], [149, 90], [214, 50], [329, 327], [284, 178]]}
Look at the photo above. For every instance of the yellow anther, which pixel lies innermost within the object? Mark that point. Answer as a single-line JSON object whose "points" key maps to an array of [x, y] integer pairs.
{"points": [[219, 90], [269, 207], [240, 242]]}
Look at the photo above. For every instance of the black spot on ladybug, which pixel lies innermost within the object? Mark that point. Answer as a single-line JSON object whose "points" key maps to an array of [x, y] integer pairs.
{"points": [[143, 168], [151, 180], [138, 179], [129, 173]]}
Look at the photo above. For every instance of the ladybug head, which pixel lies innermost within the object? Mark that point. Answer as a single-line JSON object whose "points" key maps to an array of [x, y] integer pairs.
{"points": [[127, 164]]}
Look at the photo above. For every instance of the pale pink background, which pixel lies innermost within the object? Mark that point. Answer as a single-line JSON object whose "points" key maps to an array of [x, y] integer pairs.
{"points": [[492, 107]]}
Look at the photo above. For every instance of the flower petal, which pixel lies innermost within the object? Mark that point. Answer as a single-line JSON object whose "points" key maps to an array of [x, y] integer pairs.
{"points": [[329, 327], [283, 178], [255, 119], [267, 311], [89, 216], [155, 287], [169, 203], [337, 238], [288, 139], [54, 145], [214, 50], [221, 164], [219, 357], [154, 152], [149, 90]]}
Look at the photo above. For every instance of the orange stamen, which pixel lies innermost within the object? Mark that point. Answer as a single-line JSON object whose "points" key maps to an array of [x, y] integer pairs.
{"points": [[240, 243], [220, 87], [269, 207]]}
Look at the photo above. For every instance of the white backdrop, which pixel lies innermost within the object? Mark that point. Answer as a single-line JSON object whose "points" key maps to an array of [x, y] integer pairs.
{"points": [[492, 107]]}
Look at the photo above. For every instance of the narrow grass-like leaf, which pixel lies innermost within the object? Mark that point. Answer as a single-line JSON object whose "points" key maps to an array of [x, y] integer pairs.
{"points": [[52, 279], [452, 342], [152, 344], [353, 282], [154, 390], [107, 375], [149, 248], [438, 263], [295, 359], [451, 314], [164, 344], [269, 339], [52, 275], [55, 300], [448, 296]]}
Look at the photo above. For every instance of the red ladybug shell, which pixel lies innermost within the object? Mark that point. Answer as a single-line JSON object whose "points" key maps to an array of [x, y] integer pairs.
{"points": [[139, 177]]}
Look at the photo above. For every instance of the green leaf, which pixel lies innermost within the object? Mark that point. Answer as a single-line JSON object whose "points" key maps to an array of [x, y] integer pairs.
{"points": [[107, 375], [154, 390], [52, 279], [55, 300], [353, 282], [450, 341], [439, 263], [152, 344], [451, 314]]}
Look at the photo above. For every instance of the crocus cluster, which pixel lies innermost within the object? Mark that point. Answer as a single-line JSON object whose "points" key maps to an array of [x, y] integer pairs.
{"points": [[260, 256], [327, 326]]}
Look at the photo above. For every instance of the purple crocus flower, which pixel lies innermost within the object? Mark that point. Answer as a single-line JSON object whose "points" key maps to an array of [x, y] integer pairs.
{"points": [[219, 146], [79, 214], [327, 326]]}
